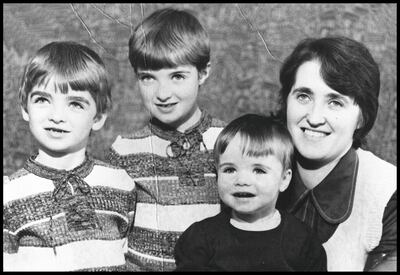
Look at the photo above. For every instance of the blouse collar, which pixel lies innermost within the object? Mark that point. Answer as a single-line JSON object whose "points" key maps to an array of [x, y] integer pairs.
{"points": [[333, 197]]}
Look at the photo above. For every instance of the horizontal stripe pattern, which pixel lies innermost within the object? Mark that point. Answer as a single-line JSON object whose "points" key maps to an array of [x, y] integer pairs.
{"points": [[72, 256], [37, 233], [143, 262], [170, 191], [33, 224], [19, 212], [172, 217]]}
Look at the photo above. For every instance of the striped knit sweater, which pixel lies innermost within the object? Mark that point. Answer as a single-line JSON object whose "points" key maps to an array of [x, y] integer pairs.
{"points": [[175, 180], [74, 220]]}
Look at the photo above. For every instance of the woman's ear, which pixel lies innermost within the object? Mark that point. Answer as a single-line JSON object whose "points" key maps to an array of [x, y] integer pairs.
{"points": [[360, 122], [204, 73], [286, 178], [99, 121]]}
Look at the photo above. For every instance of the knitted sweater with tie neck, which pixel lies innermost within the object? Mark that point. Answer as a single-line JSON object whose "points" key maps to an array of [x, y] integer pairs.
{"points": [[176, 185], [58, 220]]}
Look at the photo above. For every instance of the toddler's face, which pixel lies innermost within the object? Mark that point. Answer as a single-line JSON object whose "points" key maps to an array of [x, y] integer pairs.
{"points": [[61, 123], [250, 185], [170, 95]]}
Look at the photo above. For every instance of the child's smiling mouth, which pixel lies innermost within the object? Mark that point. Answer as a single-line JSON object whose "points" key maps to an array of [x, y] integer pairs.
{"points": [[243, 195]]}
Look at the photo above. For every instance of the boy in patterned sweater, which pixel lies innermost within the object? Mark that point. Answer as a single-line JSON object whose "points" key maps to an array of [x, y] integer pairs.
{"points": [[170, 159], [64, 210]]}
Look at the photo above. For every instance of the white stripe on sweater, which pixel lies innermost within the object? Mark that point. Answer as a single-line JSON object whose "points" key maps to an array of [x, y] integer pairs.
{"points": [[172, 217], [72, 256]]}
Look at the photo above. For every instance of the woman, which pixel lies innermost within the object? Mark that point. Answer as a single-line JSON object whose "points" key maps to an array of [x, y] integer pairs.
{"points": [[329, 94]]}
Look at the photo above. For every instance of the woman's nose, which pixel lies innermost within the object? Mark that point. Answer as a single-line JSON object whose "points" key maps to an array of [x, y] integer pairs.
{"points": [[316, 115]]}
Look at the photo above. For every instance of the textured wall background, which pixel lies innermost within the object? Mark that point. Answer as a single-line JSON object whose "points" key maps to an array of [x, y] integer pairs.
{"points": [[244, 75]]}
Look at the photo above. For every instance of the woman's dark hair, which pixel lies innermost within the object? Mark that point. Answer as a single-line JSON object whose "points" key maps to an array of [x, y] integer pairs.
{"points": [[346, 66]]}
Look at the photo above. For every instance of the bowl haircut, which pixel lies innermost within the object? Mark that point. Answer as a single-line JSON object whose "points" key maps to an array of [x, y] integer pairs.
{"points": [[168, 38], [260, 136], [71, 65]]}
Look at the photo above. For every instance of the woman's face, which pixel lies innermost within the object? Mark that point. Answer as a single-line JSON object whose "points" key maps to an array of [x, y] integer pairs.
{"points": [[321, 120]]}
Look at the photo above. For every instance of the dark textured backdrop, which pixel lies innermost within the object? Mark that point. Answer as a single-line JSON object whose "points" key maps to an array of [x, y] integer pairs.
{"points": [[244, 74]]}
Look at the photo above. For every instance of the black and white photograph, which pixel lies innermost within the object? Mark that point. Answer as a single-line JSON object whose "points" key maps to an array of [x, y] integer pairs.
{"points": [[199, 137]]}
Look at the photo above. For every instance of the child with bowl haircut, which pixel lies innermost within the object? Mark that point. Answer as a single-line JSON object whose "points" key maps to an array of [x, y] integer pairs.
{"points": [[64, 210], [170, 159], [253, 155]]}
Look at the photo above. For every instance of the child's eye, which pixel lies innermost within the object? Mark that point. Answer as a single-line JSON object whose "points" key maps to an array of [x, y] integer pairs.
{"points": [[145, 78], [40, 100], [178, 77], [77, 105], [259, 171]]}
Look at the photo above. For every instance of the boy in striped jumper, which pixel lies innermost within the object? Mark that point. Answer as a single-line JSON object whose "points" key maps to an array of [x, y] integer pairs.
{"points": [[64, 210], [170, 159]]}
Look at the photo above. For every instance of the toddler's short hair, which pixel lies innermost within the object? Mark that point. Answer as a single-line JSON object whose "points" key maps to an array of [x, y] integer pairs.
{"points": [[260, 135], [71, 65], [168, 38]]}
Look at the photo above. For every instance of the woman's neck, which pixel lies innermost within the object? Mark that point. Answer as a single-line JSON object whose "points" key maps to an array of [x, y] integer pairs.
{"points": [[61, 161], [312, 173]]}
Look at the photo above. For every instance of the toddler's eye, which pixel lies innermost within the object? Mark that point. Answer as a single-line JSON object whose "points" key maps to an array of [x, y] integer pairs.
{"points": [[76, 105], [259, 171], [228, 170]]}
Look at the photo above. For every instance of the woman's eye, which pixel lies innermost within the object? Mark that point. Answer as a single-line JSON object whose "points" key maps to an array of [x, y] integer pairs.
{"points": [[303, 98], [336, 103]]}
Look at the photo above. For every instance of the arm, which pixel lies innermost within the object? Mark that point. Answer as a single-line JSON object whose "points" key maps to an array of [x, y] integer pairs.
{"points": [[191, 253], [384, 256]]}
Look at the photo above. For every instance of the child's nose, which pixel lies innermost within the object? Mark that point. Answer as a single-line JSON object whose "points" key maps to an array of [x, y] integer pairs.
{"points": [[57, 114], [242, 179], [164, 92]]}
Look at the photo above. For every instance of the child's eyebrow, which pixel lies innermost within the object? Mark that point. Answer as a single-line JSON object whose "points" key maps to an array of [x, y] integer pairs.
{"points": [[39, 93]]}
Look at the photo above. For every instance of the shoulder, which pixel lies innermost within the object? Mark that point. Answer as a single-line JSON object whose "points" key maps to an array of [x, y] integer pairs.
{"points": [[294, 227], [23, 184], [376, 176], [106, 174], [126, 144]]}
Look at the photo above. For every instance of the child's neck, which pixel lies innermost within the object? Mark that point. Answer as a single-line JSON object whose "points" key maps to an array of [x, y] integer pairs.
{"points": [[61, 161], [194, 118], [268, 222]]}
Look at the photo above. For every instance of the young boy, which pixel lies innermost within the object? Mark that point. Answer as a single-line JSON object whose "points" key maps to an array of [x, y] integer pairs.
{"points": [[64, 210], [170, 159], [253, 157]]}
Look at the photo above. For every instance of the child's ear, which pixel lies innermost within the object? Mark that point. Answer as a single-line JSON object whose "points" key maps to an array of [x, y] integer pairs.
{"points": [[99, 121], [286, 177], [25, 114], [203, 74]]}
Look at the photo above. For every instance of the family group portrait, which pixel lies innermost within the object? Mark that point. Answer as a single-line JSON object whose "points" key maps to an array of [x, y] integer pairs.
{"points": [[200, 137]]}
